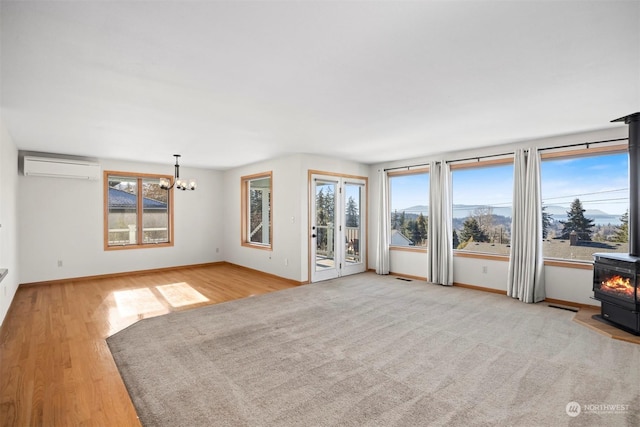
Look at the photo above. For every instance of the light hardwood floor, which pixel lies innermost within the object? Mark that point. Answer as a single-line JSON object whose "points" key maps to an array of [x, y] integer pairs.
{"points": [[55, 365]]}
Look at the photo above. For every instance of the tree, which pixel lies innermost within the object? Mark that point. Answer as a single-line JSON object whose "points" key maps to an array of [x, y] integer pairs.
{"points": [[484, 216], [395, 220], [422, 226], [576, 221], [330, 205], [547, 218], [403, 225], [456, 241], [320, 212], [622, 233], [353, 218], [471, 231]]}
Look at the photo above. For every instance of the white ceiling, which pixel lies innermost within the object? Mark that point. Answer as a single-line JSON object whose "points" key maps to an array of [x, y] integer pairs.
{"points": [[230, 83]]}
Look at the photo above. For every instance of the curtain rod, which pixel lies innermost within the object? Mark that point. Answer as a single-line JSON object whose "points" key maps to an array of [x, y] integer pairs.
{"points": [[478, 158], [583, 143], [407, 167]]}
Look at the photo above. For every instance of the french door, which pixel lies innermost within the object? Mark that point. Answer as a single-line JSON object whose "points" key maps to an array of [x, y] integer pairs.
{"points": [[338, 226]]}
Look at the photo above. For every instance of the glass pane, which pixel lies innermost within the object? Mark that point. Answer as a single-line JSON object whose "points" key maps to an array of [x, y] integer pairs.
{"points": [[353, 215], [585, 202], [259, 210], [123, 213], [155, 214], [482, 201], [325, 225], [409, 197]]}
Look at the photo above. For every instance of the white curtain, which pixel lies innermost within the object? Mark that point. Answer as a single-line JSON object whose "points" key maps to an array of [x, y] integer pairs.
{"points": [[440, 263], [526, 264], [382, 244]]}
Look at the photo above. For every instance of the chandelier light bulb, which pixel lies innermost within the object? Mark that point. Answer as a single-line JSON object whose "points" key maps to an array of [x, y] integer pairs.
{"points": [[178, 183]]}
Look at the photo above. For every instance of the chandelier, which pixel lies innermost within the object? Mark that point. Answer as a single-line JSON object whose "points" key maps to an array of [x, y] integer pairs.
{"points": [[180, 184]]}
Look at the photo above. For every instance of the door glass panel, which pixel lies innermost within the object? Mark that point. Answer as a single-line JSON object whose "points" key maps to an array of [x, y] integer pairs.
{"points": [[353, 222], [325, 225]]}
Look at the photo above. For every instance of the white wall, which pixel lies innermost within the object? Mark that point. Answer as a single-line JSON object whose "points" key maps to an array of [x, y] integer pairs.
{"points": [[568, 284], [290, 247], [8, 219], [408, 263], [62, 219]]}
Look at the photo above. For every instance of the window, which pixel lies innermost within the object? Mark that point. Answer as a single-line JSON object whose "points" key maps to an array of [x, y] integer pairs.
{"points": [[138, 213], [409, 204], [585, 202], [482, 201], [257, 210]]}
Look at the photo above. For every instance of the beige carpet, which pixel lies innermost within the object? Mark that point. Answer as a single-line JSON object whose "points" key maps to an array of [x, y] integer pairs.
{"points": [[370, 350]]}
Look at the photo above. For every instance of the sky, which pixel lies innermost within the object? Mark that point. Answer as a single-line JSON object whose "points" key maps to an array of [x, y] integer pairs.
{"points": [[600, 182]]}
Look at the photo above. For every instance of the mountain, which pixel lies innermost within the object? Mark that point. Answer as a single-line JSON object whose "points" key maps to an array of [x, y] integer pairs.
{"points": [[558, 212], [416, 209], [561, 211]]}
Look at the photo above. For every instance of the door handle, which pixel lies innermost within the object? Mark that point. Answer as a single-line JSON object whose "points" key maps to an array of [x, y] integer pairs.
{"points": [[313, 235]]}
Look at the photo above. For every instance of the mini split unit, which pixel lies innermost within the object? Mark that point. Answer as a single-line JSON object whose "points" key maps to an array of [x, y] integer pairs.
{"points": [[61, 168]]}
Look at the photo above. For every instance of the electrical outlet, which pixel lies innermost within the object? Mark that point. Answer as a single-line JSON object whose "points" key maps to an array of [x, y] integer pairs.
{"points": [[217, 250], [286, 261], [484, 269], [59, 263]]}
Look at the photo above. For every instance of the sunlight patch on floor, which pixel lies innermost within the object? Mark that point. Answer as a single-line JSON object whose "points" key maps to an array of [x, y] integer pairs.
{"points": [[132, 302], [181, 294]]}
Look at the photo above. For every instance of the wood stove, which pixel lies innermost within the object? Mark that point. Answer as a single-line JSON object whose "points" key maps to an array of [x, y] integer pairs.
{"points": [[616, 277], [615, 285]]}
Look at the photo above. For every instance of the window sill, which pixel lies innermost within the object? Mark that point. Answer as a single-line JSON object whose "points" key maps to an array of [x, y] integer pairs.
{"points": [[257, 246], [581, 265], [408, 249], [479, 255], [145, 246]]}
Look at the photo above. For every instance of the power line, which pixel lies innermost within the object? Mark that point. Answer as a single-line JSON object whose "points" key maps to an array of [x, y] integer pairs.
{"points": [[587, 194]]}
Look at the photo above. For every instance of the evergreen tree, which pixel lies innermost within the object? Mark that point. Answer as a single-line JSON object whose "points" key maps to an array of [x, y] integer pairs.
{"points": [[414, 232], [351, 213], [395, 220], [622, 233], [403, 225], [576, 221], [456, 241], [320, 205], [422, 225], [471, 231], [546, 222], [329, 205]]}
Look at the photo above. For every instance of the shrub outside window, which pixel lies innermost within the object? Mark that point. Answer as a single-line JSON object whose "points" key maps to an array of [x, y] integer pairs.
{"points": [[138, 213], [257, 229]]}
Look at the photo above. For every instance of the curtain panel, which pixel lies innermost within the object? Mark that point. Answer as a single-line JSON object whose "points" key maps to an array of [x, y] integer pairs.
{"points": [[440, 247], [525, 280], [382, 234]]}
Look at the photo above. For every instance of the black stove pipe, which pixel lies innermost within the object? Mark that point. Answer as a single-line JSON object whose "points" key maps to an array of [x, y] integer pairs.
{"points": [[633, 120]]}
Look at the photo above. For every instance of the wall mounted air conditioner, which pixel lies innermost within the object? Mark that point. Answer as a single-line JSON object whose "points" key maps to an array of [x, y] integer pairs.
{"points": [[61, 168]]}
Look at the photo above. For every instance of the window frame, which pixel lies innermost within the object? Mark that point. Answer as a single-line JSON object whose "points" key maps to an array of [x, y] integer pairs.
{"points": [[404, 172], [245, 183], [139, 177], [507, 159], [588, 151]]}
